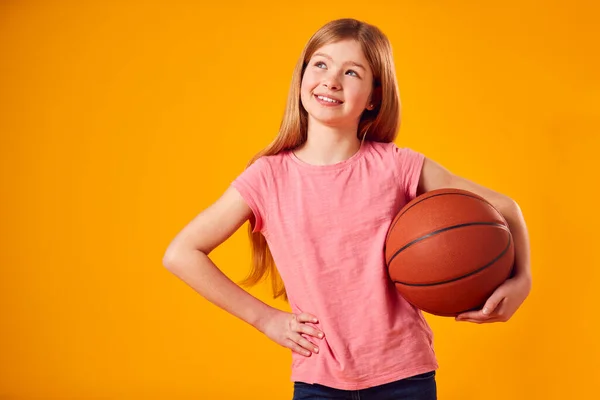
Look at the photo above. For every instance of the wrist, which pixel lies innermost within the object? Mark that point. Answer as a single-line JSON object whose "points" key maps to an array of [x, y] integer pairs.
{"points": [[524, 277], [263, 317]]}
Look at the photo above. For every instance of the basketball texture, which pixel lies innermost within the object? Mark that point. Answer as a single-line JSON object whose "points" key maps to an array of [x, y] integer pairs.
{"points": [[448, 250]]}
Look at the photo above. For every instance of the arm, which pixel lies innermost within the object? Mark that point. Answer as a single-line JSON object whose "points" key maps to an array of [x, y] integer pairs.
{"points": [[516, 289], [187, 258]]}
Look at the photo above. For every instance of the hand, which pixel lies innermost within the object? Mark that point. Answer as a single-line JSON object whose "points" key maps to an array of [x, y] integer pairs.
{"points": [[502, 304], [287, 330]]}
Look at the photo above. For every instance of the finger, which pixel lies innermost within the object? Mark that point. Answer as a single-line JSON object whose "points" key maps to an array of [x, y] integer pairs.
{"points": [[303, 342], [295, 347], [309, 330], [475, 321], [480, 321], [478, 315], [492, 303], [306, 317], [501, 309]]}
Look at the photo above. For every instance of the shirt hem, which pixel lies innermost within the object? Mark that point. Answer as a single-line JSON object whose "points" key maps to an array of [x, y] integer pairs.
{"points": [[368, 383]]}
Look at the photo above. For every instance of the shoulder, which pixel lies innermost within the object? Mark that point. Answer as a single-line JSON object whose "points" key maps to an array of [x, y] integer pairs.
{"points": [[391, 151], [387, 147], [379, 150], [269, 164], [380, 147], [264, 169]]}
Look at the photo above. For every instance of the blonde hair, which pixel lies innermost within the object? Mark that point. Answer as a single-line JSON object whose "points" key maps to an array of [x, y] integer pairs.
{"points": [[380, 124]]}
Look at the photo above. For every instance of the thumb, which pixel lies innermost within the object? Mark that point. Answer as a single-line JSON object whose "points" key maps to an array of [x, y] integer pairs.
{"points": [[492, 303]]}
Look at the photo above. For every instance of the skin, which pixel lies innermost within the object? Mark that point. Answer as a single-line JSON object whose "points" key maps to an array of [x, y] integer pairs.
{"points": [[507, 298], [331, 138], [333, 71]]}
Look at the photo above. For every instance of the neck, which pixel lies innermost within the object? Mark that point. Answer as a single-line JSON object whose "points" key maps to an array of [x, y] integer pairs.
{"points": [[328, 145]]}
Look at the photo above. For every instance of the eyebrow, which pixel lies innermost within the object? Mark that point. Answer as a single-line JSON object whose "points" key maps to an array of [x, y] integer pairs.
{"points": [[347, 62]]}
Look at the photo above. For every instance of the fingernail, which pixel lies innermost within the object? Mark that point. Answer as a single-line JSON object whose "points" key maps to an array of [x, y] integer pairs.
{"points": [[314, 320], [320, 335], [486, 310], [316, 349]]}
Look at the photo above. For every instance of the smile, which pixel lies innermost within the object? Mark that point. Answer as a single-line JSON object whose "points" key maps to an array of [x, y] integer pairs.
{"points": [[327, 100]]}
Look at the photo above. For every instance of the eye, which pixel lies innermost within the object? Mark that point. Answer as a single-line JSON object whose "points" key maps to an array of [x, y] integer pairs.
{"points": [[318, 63], [354, 72]]}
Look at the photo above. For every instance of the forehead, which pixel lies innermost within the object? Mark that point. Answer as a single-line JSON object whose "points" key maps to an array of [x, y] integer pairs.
{"points": [[345, 51]]}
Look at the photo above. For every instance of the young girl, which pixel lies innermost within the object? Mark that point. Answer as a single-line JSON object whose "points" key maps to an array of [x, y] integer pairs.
{"points": [[319, 201]]}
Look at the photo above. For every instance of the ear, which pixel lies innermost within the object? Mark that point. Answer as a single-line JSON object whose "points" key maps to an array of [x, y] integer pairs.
{"points": [[374, 98]]}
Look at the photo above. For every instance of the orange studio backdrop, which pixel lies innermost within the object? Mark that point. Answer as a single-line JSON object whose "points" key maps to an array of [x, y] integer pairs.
{"points": [[121, 121]]}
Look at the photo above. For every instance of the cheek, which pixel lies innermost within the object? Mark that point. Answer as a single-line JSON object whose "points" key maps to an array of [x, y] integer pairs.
{"points": [[308, 83], [306, 87], [359, 96]]}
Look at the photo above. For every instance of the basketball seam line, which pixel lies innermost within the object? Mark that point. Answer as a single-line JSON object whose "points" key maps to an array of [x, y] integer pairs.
{"points": [[496, 224], [431, 197], [499, 256]]}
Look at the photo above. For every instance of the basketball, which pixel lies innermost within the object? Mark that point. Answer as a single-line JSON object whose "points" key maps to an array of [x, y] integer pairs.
{"points": [[448, 250]]}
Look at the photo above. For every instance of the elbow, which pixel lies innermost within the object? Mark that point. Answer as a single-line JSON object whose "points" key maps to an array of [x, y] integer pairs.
{"points": [[171, 257], [510, 206], [176, 256], [168, 262], [510, 210]]}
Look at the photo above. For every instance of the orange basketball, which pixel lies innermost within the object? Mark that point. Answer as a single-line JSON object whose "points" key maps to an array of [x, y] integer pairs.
{"points": [[448, 250]]}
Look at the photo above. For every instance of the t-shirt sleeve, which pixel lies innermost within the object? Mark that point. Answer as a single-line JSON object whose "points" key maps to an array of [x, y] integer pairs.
{"points": [[409, 164], [253, 184]]}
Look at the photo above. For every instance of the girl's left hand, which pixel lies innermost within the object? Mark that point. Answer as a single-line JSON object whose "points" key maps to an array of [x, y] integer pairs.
{"points": [[502, 304]]}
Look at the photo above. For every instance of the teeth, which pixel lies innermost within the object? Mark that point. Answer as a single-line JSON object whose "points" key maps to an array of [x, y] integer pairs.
{"points": [[327, 99]]}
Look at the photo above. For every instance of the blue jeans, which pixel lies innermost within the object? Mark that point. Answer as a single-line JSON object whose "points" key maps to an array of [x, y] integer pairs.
{"points": [[418, 387]]}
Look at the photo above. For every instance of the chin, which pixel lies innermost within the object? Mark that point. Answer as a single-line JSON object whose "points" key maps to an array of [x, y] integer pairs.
{"points": [[339, 121], [329, 121]]}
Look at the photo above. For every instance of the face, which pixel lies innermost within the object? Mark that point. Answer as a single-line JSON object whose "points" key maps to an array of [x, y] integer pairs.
{"points": [[337, 84]]}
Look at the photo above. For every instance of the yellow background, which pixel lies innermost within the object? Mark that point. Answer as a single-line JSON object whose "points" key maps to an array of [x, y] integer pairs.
{"points": [[121, 121]]}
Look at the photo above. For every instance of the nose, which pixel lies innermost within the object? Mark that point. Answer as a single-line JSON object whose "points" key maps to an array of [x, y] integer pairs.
{"points": [[331, 82]]}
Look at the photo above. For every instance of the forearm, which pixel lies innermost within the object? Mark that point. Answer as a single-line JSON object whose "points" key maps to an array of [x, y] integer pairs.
{"points": [[514, 217], [198, 271], [510, 210]]}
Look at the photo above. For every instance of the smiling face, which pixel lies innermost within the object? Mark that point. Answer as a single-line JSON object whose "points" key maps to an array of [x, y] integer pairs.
{"points": [[337, 84]]}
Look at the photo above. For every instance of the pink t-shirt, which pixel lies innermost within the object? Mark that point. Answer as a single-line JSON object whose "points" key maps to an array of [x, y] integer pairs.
{"points": [[326, 228]]}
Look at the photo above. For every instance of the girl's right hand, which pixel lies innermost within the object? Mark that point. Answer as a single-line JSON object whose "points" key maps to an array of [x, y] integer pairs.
{"points": [[286, 329]]}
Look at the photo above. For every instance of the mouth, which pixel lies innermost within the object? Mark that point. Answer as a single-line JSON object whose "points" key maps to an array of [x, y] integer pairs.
{"points": [[326, 100]]}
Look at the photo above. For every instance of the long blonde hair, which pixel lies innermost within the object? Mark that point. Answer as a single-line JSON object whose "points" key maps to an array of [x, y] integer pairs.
{"points": [[380, 124]]}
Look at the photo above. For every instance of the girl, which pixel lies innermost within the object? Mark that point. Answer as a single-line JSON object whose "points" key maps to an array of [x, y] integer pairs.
{"points": [[319, 201]]}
